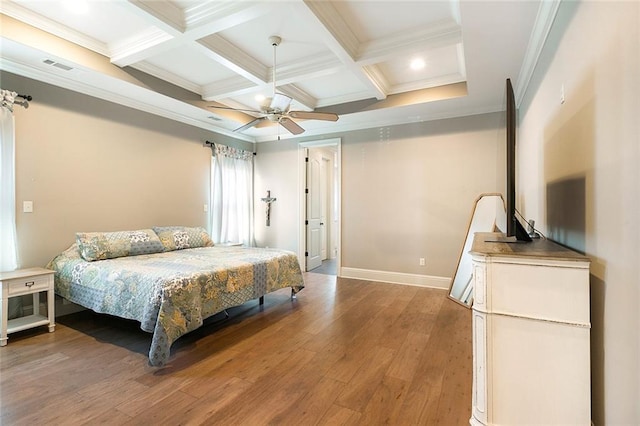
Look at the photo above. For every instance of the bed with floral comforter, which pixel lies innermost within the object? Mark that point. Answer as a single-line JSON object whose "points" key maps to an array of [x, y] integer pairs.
{"points": [[171, 293]]}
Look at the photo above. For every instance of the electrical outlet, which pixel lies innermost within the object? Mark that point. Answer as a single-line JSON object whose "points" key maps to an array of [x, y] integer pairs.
{"points": [[205, 208], [422, 261], [27, 206]]}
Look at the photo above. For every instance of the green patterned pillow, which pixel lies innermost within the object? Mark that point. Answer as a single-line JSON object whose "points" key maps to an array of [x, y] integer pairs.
{"points": [[182, 237], [109, 245]]}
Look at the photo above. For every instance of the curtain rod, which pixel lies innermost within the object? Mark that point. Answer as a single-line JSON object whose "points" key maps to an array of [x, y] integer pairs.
{"points": [[212, 144], [8, 99]]}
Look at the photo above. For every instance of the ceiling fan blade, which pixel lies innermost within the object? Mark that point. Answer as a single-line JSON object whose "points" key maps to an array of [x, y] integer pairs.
{"points": [[249, 124], [280, 102], [291, 125], [313, 115]]}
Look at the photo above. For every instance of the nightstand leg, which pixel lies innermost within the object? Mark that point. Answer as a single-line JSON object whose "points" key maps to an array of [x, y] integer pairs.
{"points": [[51, 310], [4, 313]]}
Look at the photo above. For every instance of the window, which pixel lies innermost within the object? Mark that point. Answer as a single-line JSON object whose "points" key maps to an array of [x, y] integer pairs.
{"points": [[231, 195], [8, 260]]}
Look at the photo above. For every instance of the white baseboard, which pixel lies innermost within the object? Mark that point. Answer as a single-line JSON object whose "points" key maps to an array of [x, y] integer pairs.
{"points": [[396, 278]]}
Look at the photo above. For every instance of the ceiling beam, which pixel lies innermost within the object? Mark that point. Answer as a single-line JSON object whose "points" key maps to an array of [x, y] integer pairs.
{"points": [[340, 39], [189, 25], [222, 51]]}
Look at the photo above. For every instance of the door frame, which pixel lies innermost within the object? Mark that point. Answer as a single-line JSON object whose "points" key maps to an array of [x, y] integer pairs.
{"points": [[302, 205]]}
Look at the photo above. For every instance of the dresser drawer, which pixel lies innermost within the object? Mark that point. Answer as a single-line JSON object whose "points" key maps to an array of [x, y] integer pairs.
{"points": [[28, 285]]}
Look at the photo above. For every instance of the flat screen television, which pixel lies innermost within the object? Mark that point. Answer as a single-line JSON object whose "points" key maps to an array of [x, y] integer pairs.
{"points": [[515, 230]]}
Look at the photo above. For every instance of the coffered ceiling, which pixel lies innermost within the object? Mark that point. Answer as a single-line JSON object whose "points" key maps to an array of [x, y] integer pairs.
{"points": [[178, 58]]}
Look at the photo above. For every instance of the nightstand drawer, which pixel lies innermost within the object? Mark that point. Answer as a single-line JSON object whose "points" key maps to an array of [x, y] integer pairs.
{"points": [[28, 285]]}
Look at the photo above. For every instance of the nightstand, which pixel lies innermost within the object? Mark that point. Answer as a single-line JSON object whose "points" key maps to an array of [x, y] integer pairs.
{"points": [[19, 283]]}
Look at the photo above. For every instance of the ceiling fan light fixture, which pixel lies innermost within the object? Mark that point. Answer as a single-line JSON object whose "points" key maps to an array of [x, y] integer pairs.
{"points": [[280, 102]]}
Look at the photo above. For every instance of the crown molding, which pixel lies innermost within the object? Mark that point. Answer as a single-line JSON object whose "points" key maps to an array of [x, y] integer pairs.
{"points": [[544, 21], [128, 52], [168, 13], [441, 80]]}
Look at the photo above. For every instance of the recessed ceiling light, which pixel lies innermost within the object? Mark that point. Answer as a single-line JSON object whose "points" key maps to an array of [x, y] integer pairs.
{"points": [[78, 7], [417, 64]]}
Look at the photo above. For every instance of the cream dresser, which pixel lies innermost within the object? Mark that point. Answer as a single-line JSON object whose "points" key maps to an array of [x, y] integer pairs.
{"points": [[531, 328]]}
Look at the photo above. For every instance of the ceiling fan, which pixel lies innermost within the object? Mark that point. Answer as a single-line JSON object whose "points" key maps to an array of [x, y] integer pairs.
{"points": [[277, 109]]}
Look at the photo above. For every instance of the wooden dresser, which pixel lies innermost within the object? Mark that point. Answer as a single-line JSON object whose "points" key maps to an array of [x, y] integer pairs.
{"points": [[531, 331]]}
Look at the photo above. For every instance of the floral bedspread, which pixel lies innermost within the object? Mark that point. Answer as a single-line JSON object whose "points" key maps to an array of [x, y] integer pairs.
{"points": [[171, 293]]}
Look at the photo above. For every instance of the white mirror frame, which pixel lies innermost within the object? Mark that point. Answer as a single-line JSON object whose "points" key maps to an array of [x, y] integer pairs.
{"points": [[488, 215]]}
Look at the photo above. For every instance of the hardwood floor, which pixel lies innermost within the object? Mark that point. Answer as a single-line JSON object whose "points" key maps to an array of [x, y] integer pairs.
{"points": [[345, 352]]}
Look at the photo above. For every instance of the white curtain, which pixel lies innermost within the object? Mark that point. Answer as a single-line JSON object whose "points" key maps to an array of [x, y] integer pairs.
{"points": [[8, 257], [231, 195]]}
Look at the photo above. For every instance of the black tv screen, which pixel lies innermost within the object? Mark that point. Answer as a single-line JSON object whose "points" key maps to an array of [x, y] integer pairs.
{"points": [[514, 227]]}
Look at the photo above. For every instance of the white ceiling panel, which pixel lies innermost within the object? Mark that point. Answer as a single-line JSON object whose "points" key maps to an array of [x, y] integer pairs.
{"points": [[375, 20], [438, 63], [188, 65]]}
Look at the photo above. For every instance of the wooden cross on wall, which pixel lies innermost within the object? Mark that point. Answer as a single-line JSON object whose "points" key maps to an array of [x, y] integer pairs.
{"points": [[268, 200]]}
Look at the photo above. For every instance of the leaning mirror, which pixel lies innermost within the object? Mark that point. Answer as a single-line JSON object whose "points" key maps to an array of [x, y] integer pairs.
{"points": [[488, 215]]}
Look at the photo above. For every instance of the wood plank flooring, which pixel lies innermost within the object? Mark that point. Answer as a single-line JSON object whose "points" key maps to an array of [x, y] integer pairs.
{"points": [[346, 352]]}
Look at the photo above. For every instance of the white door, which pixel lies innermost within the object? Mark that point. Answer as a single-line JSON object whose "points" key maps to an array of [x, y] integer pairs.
{"points": [[314, 210], [324, 205]]}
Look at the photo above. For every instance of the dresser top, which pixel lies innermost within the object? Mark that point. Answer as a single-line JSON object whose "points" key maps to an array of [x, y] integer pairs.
{"points": [[488, 244], [24, 273]]}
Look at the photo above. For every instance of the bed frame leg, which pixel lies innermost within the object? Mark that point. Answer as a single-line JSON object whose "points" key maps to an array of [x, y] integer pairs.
{"points": [[261, 300], [294, 295]]}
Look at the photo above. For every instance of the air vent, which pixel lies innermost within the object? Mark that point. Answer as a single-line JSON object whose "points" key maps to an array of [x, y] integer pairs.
{"points": [[57, 65], [211, 117]]}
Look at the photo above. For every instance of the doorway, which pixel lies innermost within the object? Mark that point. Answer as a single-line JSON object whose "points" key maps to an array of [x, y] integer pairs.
{"points": [[320, 206]]}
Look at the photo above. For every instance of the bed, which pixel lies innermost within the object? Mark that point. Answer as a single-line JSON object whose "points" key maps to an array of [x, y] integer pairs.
{"points": [[168, 279]]}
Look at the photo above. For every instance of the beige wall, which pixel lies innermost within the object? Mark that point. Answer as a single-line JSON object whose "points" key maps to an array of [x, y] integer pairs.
{"points": [[579, 179], [276, 170], [407, 191], [90, 165]]}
